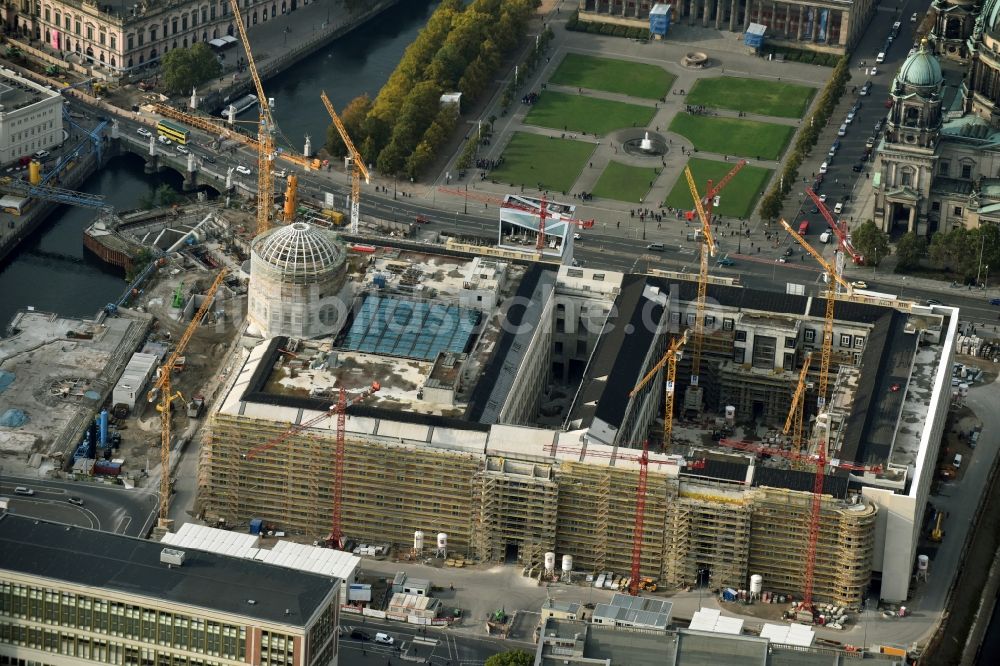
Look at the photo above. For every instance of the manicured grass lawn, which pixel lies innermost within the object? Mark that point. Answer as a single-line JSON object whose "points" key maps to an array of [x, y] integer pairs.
{"points": [[530, 159], [733, 136], [737, 199], [768, 98], [622, 182], [579, 113], [618, 76]]}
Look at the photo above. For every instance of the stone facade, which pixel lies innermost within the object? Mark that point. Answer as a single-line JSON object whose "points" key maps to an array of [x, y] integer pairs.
{"points": [[30, 117], [815, 25], [124, 38]]}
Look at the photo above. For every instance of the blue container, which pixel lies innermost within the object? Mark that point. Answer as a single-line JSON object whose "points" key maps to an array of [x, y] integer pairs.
{"points": [[256, 525], [103, 425]]}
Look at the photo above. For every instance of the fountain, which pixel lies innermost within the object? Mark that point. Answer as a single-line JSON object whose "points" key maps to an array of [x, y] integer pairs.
{"points": [[646, 144]]}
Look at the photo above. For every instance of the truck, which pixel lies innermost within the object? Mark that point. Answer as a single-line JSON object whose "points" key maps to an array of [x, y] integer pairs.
{"points": [[803, 227], [335, 216], [825, 237], [195, 406]]}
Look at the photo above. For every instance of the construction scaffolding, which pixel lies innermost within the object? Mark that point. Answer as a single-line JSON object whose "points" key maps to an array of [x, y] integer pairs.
{"points": [[709, 528], [780, 528], [597, 516], [518, 508], [502, 508], [390, 489]]}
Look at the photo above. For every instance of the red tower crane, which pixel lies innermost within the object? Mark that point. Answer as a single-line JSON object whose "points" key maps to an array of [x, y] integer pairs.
{"points": [[340, 410], [838, 228], [640, 514], [712, 191], [541, 210], [820, 461]]}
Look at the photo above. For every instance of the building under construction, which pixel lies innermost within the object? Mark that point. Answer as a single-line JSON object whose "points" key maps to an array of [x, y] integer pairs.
{"points": [[505, 418]]}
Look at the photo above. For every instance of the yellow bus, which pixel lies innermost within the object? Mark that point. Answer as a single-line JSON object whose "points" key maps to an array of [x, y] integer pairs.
{"points": [[173, 131]]}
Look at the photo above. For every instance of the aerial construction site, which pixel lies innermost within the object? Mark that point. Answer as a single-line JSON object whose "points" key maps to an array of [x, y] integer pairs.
{"points": [[517, 405]]}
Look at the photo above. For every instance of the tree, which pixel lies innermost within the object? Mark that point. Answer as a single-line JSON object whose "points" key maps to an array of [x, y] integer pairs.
{"points": [[871, 242], [510, 658], [184, 69], [910, 249], [353, 116]]}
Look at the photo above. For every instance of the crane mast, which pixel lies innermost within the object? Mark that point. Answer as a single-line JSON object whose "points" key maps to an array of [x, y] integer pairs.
{"points": [[358, 167], [162, 388], [640, 514], [795, 412], [669, 359], [707, 249], [265, 133]]}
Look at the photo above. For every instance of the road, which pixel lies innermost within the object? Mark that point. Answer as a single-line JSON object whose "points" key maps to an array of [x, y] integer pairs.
{"points": [[109, 508], [413, 645]]}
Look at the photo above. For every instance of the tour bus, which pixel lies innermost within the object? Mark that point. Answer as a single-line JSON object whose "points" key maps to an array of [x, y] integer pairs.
{"points": [[176, 133]]}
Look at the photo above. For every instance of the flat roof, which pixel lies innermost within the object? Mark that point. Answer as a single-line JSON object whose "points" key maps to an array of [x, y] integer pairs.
{"points": [[127, 565]]}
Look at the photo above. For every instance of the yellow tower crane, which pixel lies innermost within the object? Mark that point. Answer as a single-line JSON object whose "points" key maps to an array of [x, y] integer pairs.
{"points": [[358, 167], [670, 360], [795, 412], [832, 280], [708, 248], [265, 133], [161, 388]]}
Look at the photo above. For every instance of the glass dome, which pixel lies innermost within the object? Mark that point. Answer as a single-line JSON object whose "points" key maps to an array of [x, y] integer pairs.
{"points": [[298, 251]]}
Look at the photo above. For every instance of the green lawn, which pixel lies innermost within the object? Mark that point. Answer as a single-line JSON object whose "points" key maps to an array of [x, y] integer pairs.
{"points": [[530, 159], [622, 182], [737, 199], [733, 136], [767, 98], [617, 76], [579, 113]]}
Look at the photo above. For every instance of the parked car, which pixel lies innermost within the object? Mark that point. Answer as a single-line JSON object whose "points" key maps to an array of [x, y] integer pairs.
{"points": [[874, 71], [243, 170], [208, 158], [859, 284], [870, 143], [858, 168], [42, 154], [865, 89], [21, 490], [995, 301], [913, 18], [384, 639], [726, 261], [359, 635]]}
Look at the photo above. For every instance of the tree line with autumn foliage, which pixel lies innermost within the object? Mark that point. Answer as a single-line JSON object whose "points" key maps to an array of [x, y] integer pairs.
{"points": [[459, 50]]}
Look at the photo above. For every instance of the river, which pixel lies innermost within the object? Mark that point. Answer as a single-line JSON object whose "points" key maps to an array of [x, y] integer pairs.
{"points": [[50, 270]]}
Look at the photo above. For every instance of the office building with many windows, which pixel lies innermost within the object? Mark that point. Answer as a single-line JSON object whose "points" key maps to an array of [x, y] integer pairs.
{"points": [[71, 596]]}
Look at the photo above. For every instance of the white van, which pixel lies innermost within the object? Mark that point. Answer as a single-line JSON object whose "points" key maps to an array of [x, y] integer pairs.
{"points": [[823, 167], [839, 208], [825, 237], [843, 130], [958, 460], [880, 58]]}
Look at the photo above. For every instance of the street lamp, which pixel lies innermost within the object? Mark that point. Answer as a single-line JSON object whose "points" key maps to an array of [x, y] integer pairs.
{"points": [[465, 202], [393, 187], [982, 243]]}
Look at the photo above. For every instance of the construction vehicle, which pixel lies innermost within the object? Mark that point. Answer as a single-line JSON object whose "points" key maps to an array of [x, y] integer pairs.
{"points": [[339, 410], [937, 534], [647, 585], [161, 388], [693, 398], [358, 168], [669, 359], [195, 406]]}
